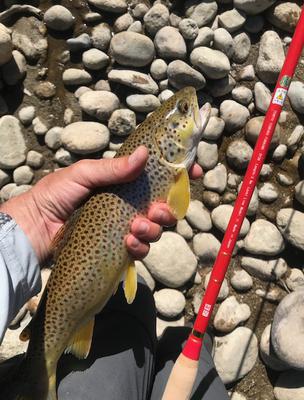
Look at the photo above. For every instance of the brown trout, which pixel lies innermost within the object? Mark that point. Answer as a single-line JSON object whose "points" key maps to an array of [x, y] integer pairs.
{"points": [[91, 256]]}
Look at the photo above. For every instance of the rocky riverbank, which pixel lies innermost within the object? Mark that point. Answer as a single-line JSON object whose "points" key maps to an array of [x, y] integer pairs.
{"points": [[77, 77]]}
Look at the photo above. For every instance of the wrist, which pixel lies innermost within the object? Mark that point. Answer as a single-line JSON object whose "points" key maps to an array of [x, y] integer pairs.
{"points": [[24, 211]]}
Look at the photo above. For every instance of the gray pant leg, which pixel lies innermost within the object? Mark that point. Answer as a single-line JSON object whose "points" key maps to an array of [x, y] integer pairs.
{"points": [[207, 386]]}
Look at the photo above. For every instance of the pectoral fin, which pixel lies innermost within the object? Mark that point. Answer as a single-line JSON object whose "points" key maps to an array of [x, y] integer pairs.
{"points": [[81, 342], [130, 284], [179, 194]]}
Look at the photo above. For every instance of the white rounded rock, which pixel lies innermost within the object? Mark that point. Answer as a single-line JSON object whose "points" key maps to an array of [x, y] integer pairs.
{"points": [[58, 18], [295, 280], [242, 47], [296, 96], [23, 175], [143, 102], [198, 216], [53, 138], [170, 44], [34, 159], [169, 302], [241, 281], [268, 192], [207, 155], [214, 128], [221, 215], [27, 114], [212, 63], [262, 96], [145, 274], [234, 114], [230, 314], [242, 95], [291, 224], [158, 69], [156, 18], [206, 247], [239, 154], [216, 179], [95, 59], [267, 270], [202, 12], [122, 122], [184, 229], [99, 103], [267, 353], [74, 76], [13, 147], [223, 41]]}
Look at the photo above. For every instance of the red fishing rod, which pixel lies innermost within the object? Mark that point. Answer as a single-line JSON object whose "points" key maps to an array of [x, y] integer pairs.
{"points": [[181, 380]]}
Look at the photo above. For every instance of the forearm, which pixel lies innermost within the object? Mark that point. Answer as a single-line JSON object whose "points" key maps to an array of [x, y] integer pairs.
{"points": [[19, 271]]}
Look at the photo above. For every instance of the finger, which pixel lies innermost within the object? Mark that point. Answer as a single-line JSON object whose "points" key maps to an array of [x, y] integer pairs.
{"points": [[161, 215], [145, 230], [195, 171], [136, 248], [94, 173]]}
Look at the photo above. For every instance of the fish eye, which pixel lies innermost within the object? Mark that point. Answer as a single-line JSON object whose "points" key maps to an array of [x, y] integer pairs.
{"points": [[183, 106]]}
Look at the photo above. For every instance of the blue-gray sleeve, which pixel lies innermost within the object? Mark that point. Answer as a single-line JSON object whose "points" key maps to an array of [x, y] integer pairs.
{"points": [[19, 271]]}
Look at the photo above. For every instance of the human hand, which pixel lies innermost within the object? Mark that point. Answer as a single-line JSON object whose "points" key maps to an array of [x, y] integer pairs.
{"points": [[43, 210]]}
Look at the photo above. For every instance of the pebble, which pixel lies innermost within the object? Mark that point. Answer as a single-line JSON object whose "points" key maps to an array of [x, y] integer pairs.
{"points": [[216, 179], [53, 138], [143, 102], [232, 20], [224, 291], [295, 137], [188, 28], [45, 90], [180, 74], [206, 247], [267, 270], [202, 13], [123, 22], [267, 353], [291, 224], [295, 280], [58, 18], [165, 95], [162, 325], [239, 154], [23, 175], [34, 159], [170, 260], [101, 36], [19, 190], [136, 26], [170, 303], [242, 95], [158, 69], [296, 96], [220, 218], [95, 59], [279, 153], [234, 114], [214, 128], [85, 137], [241, 281], [284, 16], [235, 354], [122, 122], [156, 18], [221, 87], [63, 157], [223, 41], [268, 192], [289, 386], [253, 129], [13, 147], [112, 6], [213, 63], [182, 228], [79, 43], [74, 76], [139, 10], [242, 47], [233, 180], [6, 46], [132, 49], [198, 216], [145, 274], [136, 80], [266, 171], [207, 155], [287, 330], [230, 314], [284, 179], [247, 73], [253, 7], [27, 114], [99, 104], [271, 57], [211, 199], [6, 190], [262, 97], [170, 44], [82, 89], [204, 37], [14, 70], [39, 126]]}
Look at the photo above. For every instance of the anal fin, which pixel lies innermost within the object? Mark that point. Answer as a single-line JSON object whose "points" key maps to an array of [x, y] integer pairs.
{"points": [[179, 194], [81, 342], [130, 284]]}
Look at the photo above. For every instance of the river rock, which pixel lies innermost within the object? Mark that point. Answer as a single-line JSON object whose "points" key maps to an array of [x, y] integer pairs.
{"points": [[145, 274], [296, 96], [180, 74], [284, 15], [267, 270], [241, 281], [39, 126], [112, 6], [6, 46], [170, 44], [291, 224], [206, 247], [143, 102], [75, 76], [262, 96], [289, 386], [19, 190], [123, 22], [170, 260], [198, 216], [169, 302], [214, 128], [239, 154], [267, 352], [58, 18], [204, 37], [23, 175], [253, 7], [234, 114], [101, 36], [232, 20], [268, 192], [13, 147], [132, 49], [53, 137], [264, 239], [271, 57], [183, 229], [95, 59], [207, 155], [201, 12], [242, 95], [230, 314], [34, 159], [223, 41], [221, 215], [136, 80], [158, 69], [122, 122], [79, 43], [287, 330], [235, 354], [188, 28], [156, 18], [295, 280], [29, 37], [242, 47], [246, 73], [63, 157], [165, 95], [253, 129], [213, 63], [26, 114], [216, 179], [99, 103]]}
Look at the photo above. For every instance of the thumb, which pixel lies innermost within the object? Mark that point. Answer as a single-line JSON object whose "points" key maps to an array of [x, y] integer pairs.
{"points": [[94, 173]]}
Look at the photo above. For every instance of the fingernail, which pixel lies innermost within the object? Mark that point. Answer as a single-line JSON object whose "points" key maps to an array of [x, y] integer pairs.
{"points": [[143, 228], [134, 157]]}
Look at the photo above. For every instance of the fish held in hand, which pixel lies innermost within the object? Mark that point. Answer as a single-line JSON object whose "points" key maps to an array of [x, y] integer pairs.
{"points": [[90, 252]]}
